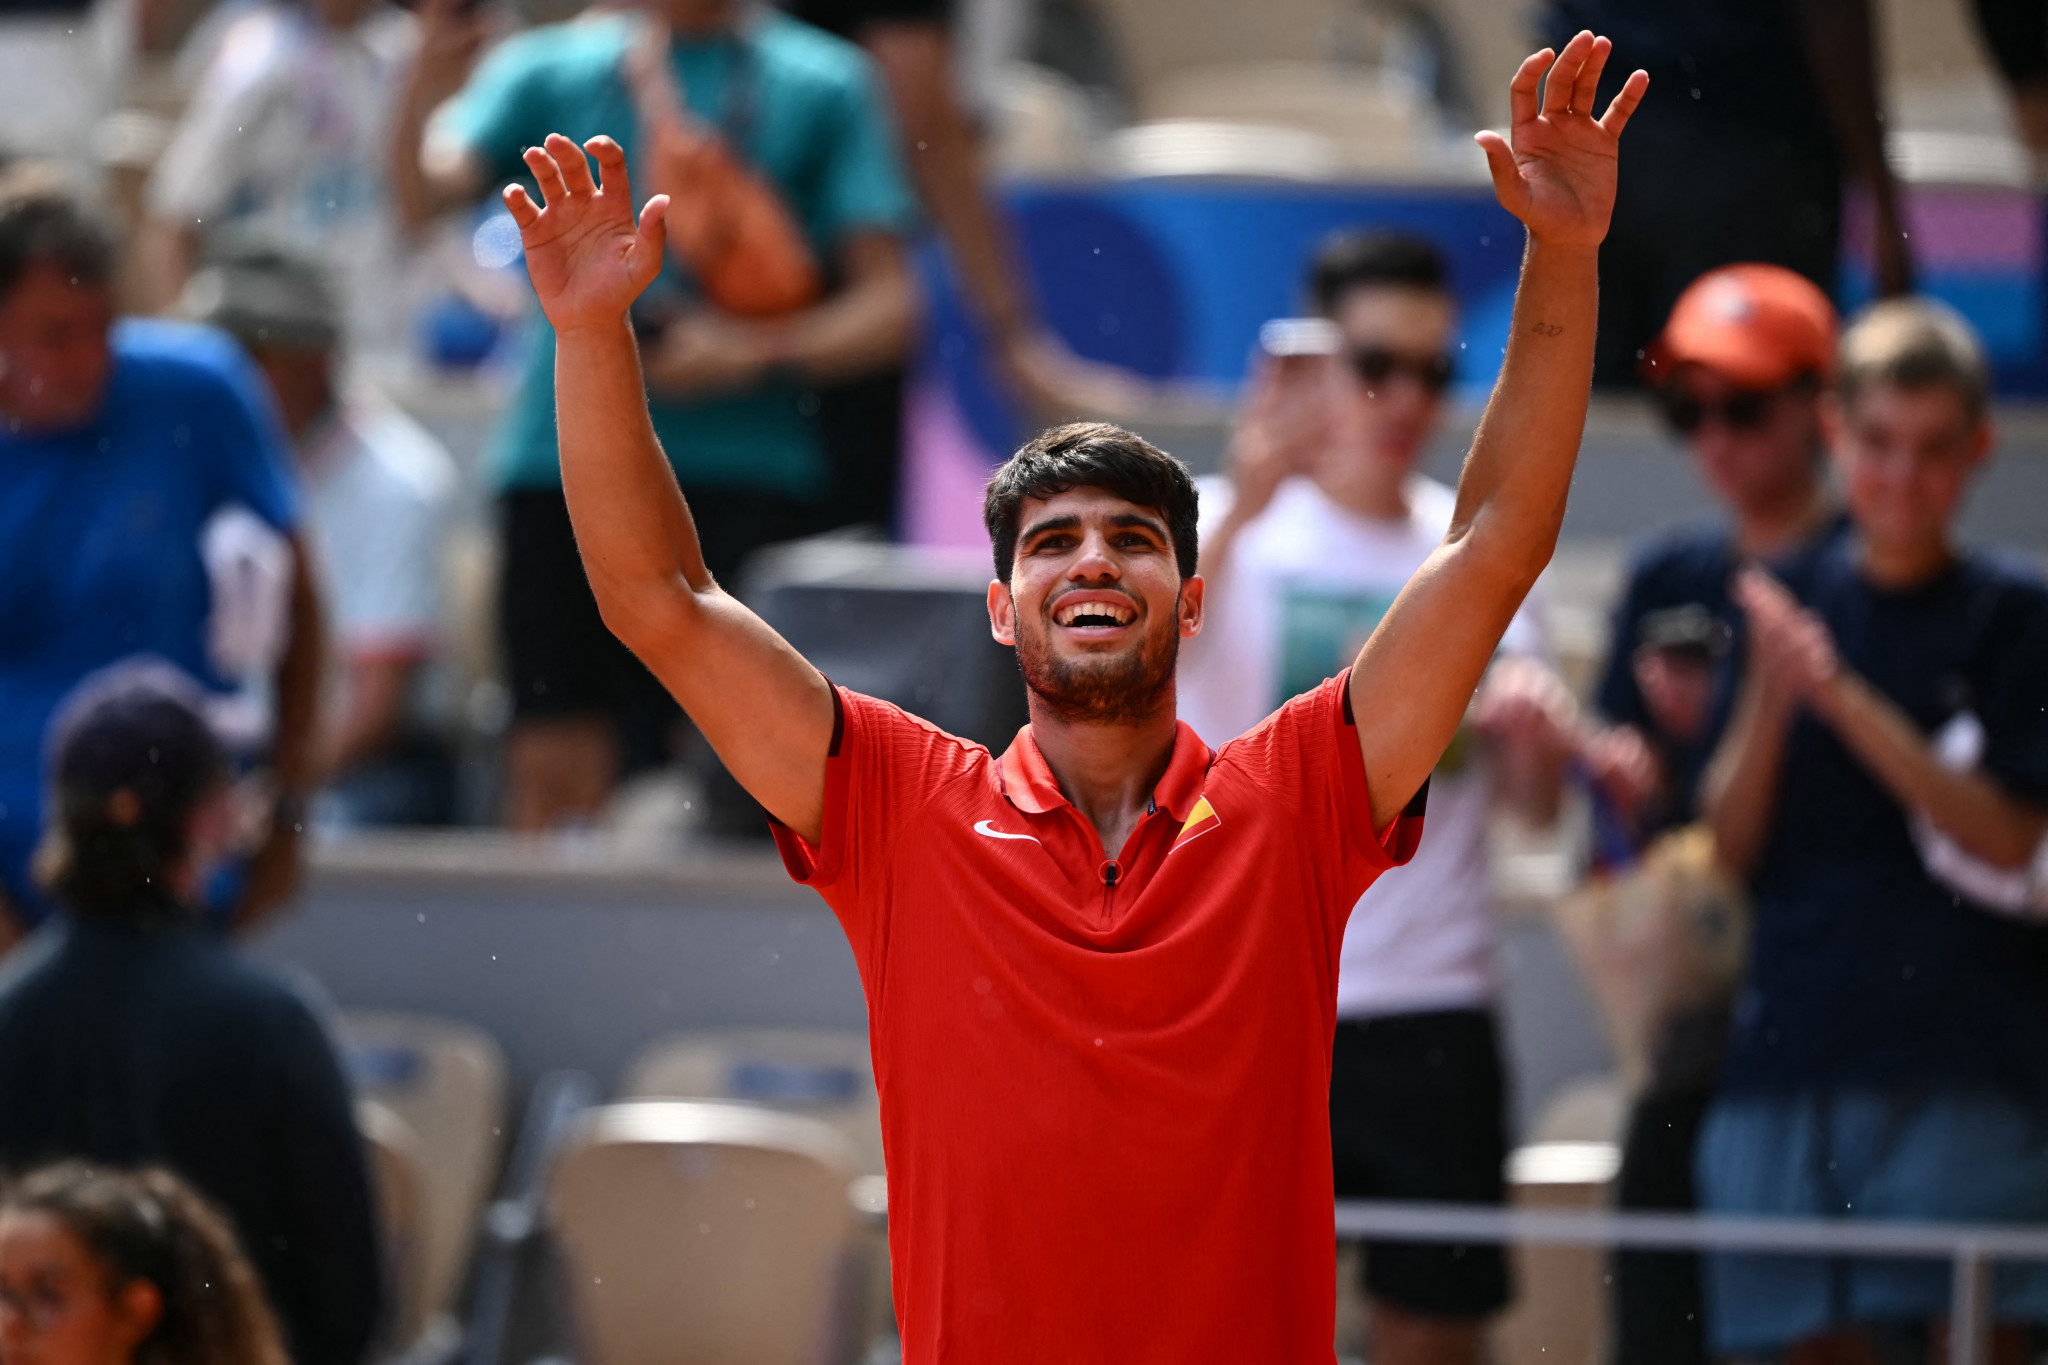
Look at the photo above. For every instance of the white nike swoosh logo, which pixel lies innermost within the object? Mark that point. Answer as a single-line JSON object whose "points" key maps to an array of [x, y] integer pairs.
{"points": [[982, 827]]}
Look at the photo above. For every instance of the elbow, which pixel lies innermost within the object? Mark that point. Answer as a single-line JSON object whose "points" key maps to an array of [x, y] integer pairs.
{"points": [[642, 614]]}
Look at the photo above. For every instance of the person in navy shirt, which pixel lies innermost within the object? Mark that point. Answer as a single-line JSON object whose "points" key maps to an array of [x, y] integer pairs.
{"points": [[1890, 1052], [145, 508], [1741, 368]]}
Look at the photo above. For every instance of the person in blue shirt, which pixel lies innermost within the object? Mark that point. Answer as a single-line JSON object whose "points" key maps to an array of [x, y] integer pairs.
{"points": [[734, 400], [145, 508], [1890, 1051], [1741, 368]]}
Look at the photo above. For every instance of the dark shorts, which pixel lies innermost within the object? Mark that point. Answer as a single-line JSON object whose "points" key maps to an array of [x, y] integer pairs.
{"points": [[560, 659], [1418, 1111]]}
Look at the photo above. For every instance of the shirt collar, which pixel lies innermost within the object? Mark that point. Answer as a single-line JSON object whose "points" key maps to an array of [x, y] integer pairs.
{"points": [[1029, 785]]}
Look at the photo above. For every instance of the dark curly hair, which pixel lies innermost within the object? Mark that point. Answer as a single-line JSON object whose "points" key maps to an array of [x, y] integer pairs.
{"points": [[150, 1225], [1091, 455]]}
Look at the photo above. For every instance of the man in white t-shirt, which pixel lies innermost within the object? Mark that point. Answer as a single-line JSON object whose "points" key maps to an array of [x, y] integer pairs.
{"points": [[377, 490], [287, 133], [1320, 524]]}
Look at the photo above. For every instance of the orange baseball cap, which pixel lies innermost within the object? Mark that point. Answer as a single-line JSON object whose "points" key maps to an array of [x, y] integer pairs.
{"points": [[1756, 326]]}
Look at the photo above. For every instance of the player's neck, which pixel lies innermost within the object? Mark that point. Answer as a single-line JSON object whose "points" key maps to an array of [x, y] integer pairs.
{"points": [[1107, 770]]}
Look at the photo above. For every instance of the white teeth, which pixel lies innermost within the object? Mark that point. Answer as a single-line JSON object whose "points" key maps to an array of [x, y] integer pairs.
{"points": [[1121, 615]]}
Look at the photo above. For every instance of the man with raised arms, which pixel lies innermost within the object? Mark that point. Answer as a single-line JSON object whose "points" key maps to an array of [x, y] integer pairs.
{"points": [[1100, 969]]}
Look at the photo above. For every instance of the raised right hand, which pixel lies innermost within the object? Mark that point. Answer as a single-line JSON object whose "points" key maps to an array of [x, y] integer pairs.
{"points": [[586, 253]]}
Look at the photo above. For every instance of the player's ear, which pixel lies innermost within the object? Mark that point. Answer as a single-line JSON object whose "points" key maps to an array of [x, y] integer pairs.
{"points": [[1002, 613], [1189, 608]]}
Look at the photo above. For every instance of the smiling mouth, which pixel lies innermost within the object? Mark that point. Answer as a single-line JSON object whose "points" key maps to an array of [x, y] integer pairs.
{"points": [[1094, 616]]}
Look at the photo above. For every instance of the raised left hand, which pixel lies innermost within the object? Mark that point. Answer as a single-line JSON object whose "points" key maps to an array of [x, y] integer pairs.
{"points": [[1555, 169]]}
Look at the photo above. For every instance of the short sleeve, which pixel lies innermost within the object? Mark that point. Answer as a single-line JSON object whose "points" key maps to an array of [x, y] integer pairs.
{"points": [[495, 116], [863, 186], [881, 768], [1304, 759], [2013, 701]]}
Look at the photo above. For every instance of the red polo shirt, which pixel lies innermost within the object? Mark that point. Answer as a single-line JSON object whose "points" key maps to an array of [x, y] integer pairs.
{"points": [[1104, 1083]]}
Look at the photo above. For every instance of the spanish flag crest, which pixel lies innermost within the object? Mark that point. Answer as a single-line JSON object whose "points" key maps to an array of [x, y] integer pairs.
{"points": [[1200, 821]]}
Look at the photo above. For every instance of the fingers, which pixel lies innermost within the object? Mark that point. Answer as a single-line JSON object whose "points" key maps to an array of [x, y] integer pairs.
{"points": [[1522, 91], [574, 165], [1507, 179], [546, 174], [522, 208], [612, 177], [1617, 116], [1586, 89], [654, 223], [1564, 72]]}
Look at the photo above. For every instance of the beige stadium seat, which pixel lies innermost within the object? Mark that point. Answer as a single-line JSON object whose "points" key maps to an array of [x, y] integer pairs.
{"points": [[706, 1232], [824, 1074], [447, 1081], [398, 1179], [1559, 1316]]}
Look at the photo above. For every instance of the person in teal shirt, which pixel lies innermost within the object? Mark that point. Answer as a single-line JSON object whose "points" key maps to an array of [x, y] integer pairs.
{"points": [[733, 399]]}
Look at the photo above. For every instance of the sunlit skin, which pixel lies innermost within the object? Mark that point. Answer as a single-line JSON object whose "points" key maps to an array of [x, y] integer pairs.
{"points": [[1379, 430], [1100, 690], [1904, 458], [56, 1305], [54, 356]]}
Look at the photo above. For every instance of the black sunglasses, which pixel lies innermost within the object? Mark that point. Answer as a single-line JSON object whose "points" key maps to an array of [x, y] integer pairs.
{"points": [[1376, 365], [1742, 410]]}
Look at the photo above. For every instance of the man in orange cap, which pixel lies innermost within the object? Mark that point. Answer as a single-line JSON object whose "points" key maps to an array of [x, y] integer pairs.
{"points": [[1740, 371]]}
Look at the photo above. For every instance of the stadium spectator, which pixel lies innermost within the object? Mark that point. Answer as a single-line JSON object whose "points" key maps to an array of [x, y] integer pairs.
{"points": [[2016, 33], [913, 45], [1890, 1051], [1741, 368], [773, 103], [377, 489], [1322, 522], [286, 132], [103, 1267], [130, 1034], [1761, 111], [146, 506]]}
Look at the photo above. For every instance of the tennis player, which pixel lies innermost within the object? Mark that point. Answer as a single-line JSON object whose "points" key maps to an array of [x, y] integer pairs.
{"points": [[1101, 968]]}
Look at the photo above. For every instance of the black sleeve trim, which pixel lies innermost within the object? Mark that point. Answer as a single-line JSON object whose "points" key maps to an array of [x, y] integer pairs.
{"points": [[1417, 803], [1346, 689], [838, 720]]}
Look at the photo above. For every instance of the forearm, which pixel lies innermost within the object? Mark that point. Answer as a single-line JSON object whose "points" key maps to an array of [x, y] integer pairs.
{"points": [[298, 681], [863, 328], [374, 716], [1739, 794], [419, 193], [1841, 45], [1511, 495], [633, 529], [943, 153], [1966, 806], [1528, 782]]}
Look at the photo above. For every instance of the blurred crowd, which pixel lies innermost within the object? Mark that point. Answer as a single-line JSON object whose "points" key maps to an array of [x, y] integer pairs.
{"points": [[1818, 747]]}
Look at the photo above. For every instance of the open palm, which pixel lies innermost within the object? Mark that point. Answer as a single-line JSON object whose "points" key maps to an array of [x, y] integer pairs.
{"points": [[1555, 170], [587, 253]]}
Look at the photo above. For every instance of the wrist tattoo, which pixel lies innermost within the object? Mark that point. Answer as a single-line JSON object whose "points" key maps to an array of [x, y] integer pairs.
{"points": [[1547, 329]]}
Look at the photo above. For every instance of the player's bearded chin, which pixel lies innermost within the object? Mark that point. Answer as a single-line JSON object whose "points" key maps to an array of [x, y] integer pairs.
{"points": [[1101, 689]]}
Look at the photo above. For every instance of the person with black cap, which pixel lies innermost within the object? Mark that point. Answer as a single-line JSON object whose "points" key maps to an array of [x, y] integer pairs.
{"points": [[131, 1034]]}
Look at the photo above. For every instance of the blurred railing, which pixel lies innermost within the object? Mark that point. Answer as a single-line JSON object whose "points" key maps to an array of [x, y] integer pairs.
{"points": [[1972, 1250]]}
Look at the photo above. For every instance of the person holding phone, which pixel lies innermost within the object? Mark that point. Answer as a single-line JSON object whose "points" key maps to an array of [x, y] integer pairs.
{"points": [[1322, 521]]}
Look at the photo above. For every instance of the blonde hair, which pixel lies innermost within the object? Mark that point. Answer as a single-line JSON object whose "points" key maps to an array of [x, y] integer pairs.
{"points": [[1912, 344]]}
